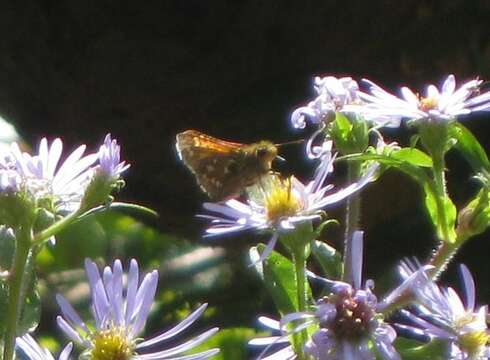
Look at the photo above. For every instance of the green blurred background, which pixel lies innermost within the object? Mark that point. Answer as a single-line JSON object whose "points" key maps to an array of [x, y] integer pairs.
{"points": [[233, 69]]}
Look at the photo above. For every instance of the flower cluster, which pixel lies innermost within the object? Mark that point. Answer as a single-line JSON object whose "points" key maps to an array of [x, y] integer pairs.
{"points": [[59, 186], [346, 321]]}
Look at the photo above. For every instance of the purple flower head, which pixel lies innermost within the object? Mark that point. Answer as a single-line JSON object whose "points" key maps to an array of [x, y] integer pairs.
{"points": [[33, 351], [281, 204], [120, 314], [349, 323], [439, 105], [440, 313], [110, 158], [43, 177], [332, 95]]}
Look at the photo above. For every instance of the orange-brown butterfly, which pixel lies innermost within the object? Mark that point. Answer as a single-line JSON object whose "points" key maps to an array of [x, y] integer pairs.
{"points": [[224, 169]]}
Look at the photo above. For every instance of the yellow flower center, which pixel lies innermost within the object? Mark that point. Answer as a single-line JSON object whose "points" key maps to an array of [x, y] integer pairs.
{"points": [[111, 344], [428, 103], [280, 201], [474, 342]]}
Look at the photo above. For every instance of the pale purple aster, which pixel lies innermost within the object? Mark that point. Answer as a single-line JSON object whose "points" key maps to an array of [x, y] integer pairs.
{"points": [[10, 180], [349, 322], [110, 158], [336, 95], [33, 351], [332, 95], [44, 177], [120, 314], [300, 203], [439, 105], [440, 313]]}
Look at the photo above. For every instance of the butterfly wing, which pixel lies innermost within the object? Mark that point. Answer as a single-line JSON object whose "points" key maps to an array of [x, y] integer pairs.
{"points": [[209, 159]]}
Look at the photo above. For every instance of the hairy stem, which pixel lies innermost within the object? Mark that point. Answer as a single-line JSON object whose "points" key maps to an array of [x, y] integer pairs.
{"points": [[441, 192], [352, 217], [16, 293], [299, 261]]}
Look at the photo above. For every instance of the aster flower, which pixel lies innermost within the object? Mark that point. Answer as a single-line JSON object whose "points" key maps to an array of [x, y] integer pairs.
{"points": [[335, 95], [120, 315], [110, 158], [10, 180], [33, 351], [348, 322], [442, 314], [41, 176], [439, 105], [332, 95], [281, 205]]}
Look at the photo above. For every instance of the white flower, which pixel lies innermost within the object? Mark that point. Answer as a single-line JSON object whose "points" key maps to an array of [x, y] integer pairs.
{"points": [[440, 105], [120, 315], [442, 314], [281, 205], [42, 176], [33, 351]]}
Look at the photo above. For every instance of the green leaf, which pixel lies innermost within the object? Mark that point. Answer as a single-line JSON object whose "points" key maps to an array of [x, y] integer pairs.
{"points": [[414, 350], [278, 275], [469, 147], [328, 258], [449, 212], [231, 342], [413, 156], [349, 134], [417, 173]]}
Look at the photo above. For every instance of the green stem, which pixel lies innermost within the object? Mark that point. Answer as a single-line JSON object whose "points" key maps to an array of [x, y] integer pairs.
{"points": [[352, 217], [441, 195], [55, 228], [16, 295], [299, 260], [440, 259], [442, 256]]}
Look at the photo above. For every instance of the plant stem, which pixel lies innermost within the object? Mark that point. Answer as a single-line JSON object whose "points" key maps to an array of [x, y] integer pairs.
{"points": [[352, 217], [16, 296], [440, 182], [299, 260], [442, 256], [55, 228]]}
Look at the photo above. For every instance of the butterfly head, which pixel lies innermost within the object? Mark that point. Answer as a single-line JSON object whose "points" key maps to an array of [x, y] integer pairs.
{"points": [[265, 152]]}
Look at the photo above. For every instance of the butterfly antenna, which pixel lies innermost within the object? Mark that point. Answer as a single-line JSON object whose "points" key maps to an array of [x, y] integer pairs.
{"points": [[300, 141]]}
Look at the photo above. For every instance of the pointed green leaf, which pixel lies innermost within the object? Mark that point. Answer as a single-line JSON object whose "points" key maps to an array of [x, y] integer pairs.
{"points": [[470, 147], [449, 212], [328, 258], [279, 278], [413, 156]]}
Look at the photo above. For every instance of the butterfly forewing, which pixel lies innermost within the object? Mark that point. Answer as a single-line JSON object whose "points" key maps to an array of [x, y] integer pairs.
{"points": [[222, 168], [209, 159]]}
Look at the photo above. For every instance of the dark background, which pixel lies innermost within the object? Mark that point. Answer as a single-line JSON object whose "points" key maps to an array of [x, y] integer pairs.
{"points": [[145, 71]]}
